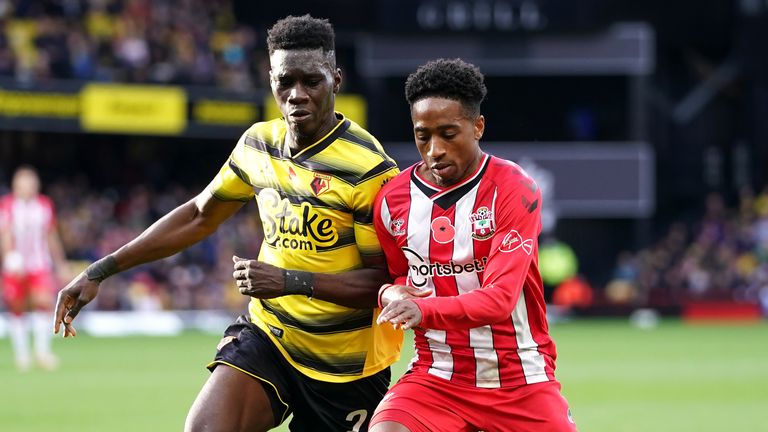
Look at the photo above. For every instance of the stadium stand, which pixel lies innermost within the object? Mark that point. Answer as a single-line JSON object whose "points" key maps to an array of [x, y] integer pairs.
{"points": [[190, 42]]}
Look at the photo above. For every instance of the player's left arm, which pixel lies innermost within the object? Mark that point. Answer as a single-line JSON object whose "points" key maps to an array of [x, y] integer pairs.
{"points": [[6, 239], [513, 248], [6, 242]]}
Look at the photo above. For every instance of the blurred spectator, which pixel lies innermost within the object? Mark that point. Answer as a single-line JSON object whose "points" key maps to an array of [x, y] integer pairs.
{"points": [[622, 289], [574, 292], [724, 257], [185, 42], [557, 263], [199, 278]]}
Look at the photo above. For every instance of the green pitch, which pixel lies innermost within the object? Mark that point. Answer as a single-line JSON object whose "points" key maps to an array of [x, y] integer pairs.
{"points": [[617, 378]]}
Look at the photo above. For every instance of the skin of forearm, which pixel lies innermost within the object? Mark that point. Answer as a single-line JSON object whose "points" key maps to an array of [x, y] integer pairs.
{"points": [[356, 288], [5, 245]]}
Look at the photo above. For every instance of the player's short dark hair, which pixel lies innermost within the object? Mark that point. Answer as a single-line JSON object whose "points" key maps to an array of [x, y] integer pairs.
{"points": [[301, 32], [448, 78]]}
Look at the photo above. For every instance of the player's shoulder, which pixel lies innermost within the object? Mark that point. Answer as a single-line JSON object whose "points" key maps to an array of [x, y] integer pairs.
{"points": [[359, 132], [398, 183], [268, 132], [510, 174], [358, 139]]}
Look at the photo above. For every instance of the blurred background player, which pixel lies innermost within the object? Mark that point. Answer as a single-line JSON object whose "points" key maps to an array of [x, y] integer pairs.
{"points": [[32, 256], [484, 357]]}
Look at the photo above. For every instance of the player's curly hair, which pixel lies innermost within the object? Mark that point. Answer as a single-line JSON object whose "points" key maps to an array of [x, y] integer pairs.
{"points": [[301, 32], [448, 78]]}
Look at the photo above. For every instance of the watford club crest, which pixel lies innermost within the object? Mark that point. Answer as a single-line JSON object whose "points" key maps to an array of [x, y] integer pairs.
{"points": [[320, 184], [482, 224]]}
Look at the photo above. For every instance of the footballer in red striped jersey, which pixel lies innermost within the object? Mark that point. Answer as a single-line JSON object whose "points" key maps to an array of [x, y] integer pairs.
{"points": [[461, 228], [32, 259]]}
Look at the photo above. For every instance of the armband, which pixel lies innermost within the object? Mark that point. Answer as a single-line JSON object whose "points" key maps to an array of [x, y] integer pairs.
{"points": [[298, 282], [101, 269]]}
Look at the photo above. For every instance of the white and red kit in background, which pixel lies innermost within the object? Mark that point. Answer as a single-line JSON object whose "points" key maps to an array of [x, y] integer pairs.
{"points": [[29, 265]]}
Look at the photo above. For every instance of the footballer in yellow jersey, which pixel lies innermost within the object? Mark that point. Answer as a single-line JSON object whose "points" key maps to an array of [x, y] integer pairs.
{"points": [[309, 345], [316, 210]]}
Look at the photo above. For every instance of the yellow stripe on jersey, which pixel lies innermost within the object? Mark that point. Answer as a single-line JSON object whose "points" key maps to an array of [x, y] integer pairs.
{"points": [[316, 211]]}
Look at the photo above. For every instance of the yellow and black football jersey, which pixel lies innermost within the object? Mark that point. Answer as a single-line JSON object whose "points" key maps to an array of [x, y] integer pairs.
{"points": [[316, 209]]}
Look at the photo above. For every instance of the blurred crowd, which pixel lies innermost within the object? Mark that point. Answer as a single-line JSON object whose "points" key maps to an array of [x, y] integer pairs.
{"points": [[93, 223], [190, 42], [720, 256]]}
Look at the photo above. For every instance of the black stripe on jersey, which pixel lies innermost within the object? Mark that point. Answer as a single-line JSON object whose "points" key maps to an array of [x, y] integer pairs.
{"points": [[317, 148], [239, 172], [336, 364], [345, 176], [263, 147], [351, 179], [384, 166], [314, 201], [358, 319], [453, 196], [364, 217], [223, 198], [346, 238], [423, 187], [349, 136]]}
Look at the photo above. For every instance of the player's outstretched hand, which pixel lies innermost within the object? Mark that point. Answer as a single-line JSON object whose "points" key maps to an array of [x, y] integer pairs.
{"points": [[403, 314], [78, 293], [257, 279], [402, 292]]}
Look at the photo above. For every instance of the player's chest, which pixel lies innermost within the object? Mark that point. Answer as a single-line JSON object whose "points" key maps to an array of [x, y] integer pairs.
{"points": [[462, 231], [28, 216]]}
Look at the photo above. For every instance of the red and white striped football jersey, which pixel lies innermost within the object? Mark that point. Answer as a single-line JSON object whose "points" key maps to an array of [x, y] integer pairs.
{"points": [[29, 222], [475, 244]]}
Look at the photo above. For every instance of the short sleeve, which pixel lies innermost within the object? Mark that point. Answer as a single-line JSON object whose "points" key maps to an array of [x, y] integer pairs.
{"points": [[363, 198], [232, 183]]}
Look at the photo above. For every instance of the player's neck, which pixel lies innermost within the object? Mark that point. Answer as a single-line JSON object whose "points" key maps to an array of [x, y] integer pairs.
{"points": [[295, 143]]}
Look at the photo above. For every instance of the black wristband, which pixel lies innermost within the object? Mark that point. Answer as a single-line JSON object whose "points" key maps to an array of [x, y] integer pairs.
{"points": [[101, 269], [298, 282]]}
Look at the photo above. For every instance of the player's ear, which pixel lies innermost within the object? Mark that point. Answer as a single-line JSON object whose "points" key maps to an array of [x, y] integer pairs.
{"points": [[337, 80], [479, 127]]}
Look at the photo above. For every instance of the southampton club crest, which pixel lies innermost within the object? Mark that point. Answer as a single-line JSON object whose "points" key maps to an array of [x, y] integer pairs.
{"points": [[396, 227], [482, 224]]}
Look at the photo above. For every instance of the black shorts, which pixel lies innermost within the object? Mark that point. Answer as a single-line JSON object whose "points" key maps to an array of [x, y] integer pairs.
{"points": [[316, 405]]}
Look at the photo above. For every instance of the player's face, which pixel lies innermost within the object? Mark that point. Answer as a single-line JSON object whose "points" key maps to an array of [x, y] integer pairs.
{"points": [[305, 83], [447, 138], [25, 184]]}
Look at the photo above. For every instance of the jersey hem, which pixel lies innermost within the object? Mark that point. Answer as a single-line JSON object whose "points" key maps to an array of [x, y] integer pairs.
{"points": [[320, 376]]}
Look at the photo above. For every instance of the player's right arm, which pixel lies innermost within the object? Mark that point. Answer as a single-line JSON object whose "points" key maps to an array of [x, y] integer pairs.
{"points": [[6, 236], [184, 226]]}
